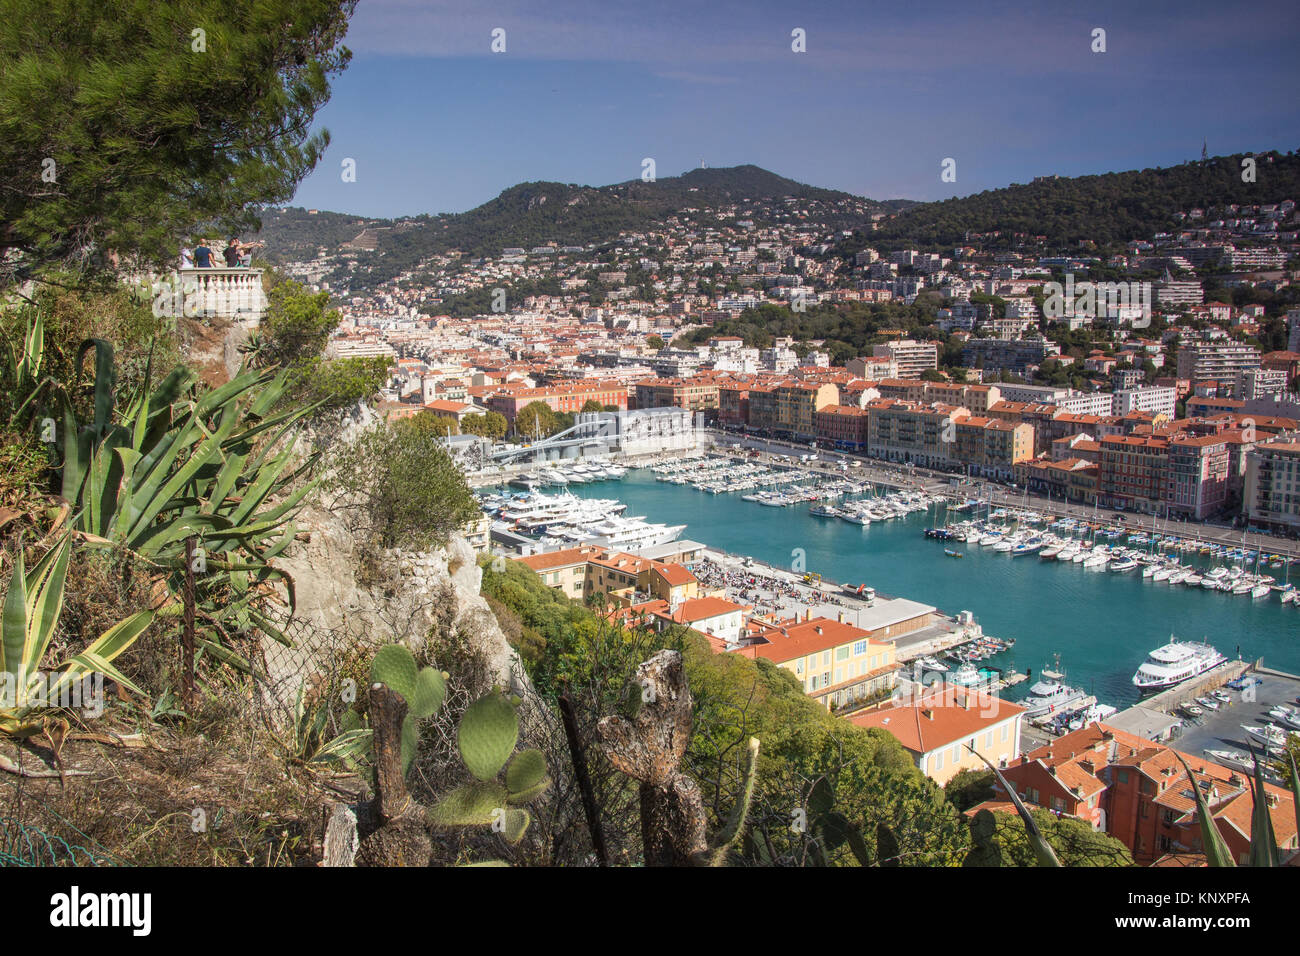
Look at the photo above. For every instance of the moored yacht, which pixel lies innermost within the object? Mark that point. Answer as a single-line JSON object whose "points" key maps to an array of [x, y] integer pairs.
{"points": [[1048, 696], [1174, 663]]}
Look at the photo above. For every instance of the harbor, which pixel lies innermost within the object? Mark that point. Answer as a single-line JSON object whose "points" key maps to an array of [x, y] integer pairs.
{"points": [[1101, 625]]}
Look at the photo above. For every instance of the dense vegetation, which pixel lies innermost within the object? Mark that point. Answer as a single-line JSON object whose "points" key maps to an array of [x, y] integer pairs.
{"points": [[863, 774], [1105, 209], [122, 130]]}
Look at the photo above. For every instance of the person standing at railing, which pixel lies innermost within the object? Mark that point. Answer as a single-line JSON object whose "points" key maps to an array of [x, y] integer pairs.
{"points": [[203, 255], [246, 252], [231, 252], [187, 257]]}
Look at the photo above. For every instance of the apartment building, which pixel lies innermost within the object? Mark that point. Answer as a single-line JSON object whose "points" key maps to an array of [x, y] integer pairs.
{"points": [[921, 434], [798, 402], [837, 664], [762, 408], [1206, 362], [561, 397], [977, 398], [1014, 355], [841, 426], [733, 403], [1271, 497], [693, 394], [1153, 399], [1133, 472], [910, 357], [1197, 482], [991, 447], [1176, 292]]}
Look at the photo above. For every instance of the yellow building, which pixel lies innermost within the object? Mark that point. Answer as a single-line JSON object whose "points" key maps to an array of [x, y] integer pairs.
{"points": [[836, 663], [939, 725], [796, 402]]}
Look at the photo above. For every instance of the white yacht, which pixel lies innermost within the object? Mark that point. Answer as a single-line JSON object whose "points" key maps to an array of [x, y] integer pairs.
{"points": [[1236, 760], [1174, 663], [966, 676], [1271, 736], [553, 477], [1048, 696]]}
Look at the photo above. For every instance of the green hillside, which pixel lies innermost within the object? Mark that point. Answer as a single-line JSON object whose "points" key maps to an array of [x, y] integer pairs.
{"points": [[1110, 208], [536, 213]]}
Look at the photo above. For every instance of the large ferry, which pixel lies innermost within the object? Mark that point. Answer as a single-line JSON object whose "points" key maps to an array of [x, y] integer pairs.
{"points": [[1174, 663]]}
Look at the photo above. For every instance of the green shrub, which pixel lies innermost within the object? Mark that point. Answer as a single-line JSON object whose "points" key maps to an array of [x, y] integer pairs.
{"points": [[399, 488]]}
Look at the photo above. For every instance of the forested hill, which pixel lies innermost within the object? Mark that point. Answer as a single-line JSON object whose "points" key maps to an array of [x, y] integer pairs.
{"points": [[532, 214], [1110, 208]]}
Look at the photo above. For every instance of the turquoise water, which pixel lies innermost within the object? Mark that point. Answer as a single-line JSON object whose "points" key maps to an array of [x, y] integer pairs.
{"points": [[1102, 624]]}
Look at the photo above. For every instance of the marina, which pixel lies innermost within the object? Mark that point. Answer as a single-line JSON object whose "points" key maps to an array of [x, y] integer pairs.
{"points": [[1102, 625]]}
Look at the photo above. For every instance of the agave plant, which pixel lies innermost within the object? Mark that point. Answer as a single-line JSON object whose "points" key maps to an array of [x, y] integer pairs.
{"points": [[21, 373], [31, 612], [172, 466]]}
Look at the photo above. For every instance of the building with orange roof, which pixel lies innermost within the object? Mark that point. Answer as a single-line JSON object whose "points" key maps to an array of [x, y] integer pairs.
{"points": [[836, 663], [841, 426], [1137, 792], [714, 617], [939, 726], [581, 572]]}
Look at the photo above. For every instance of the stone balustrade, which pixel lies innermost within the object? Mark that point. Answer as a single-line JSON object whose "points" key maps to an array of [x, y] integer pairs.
{"points": [[221, 292]]}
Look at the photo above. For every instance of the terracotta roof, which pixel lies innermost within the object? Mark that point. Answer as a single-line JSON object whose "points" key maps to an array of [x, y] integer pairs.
{"points": [[941, 718], [785, 643]]}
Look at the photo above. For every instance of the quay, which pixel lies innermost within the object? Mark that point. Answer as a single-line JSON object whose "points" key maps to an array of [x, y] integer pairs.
{"points": [[874, 612]]}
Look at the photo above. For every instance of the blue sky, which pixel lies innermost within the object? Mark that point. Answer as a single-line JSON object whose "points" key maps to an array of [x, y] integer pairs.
{"points": [[436, 122]]}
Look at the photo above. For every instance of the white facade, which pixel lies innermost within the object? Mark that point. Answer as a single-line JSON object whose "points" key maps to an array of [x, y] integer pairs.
{"points": [[1155, 399]]}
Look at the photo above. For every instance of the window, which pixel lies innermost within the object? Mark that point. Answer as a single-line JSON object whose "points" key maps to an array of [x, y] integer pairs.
{"points": [[938, 760], [842, 653], [860, 647], [826, 659], [988, 740], [1005, 729], [798, 668]]}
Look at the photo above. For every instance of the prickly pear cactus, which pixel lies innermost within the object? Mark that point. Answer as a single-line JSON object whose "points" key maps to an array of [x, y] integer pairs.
{"points": [[423, 689], [488, 733]]}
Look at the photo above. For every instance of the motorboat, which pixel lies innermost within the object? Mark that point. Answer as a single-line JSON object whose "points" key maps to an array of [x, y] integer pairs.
{"points": [[1236, 760], [1270, 735], [1049, 696]]}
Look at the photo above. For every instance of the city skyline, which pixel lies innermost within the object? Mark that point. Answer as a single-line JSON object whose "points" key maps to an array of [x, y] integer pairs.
{"points": [[437, 122]]}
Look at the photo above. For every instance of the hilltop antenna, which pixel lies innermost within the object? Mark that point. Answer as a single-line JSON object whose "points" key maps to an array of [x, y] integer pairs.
{"points": [[703, 164], [1205, 156]]}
